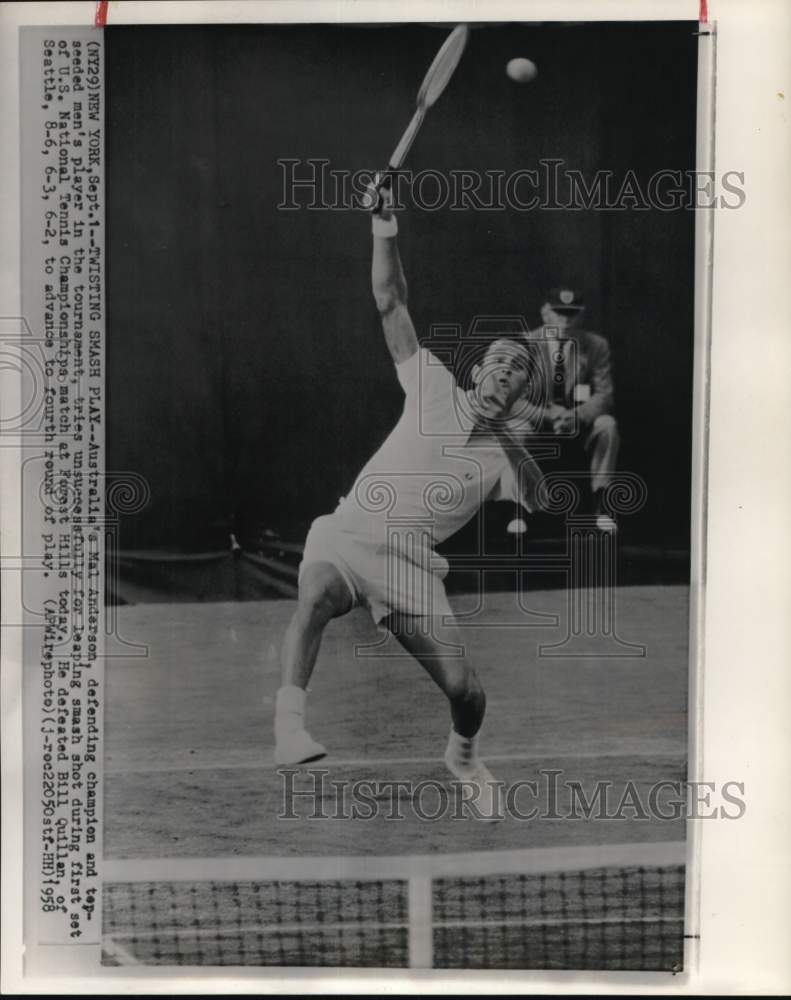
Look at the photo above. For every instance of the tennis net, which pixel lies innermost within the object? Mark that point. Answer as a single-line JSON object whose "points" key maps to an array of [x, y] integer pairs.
{"points": [[618, 907]]}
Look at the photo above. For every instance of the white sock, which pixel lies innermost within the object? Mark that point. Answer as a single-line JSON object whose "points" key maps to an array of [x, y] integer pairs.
{"points": [[463, 750], [289, 709]]}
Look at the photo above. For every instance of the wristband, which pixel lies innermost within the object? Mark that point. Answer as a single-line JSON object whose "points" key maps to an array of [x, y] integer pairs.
{"points": [[384, 227]]}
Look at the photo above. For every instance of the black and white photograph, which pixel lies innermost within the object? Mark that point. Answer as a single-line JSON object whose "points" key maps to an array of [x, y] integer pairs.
{"points": [[411, 561], [364, 382]]}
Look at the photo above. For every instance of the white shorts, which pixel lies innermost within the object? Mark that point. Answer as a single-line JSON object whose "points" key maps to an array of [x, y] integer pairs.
{"points": [[386, 567]]}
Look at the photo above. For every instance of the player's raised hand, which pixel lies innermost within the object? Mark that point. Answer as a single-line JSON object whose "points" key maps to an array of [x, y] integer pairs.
{"points": [[378, 196]]}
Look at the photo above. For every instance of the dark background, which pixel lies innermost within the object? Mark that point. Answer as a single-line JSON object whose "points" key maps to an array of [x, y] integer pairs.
{"points": [[247, 374]]}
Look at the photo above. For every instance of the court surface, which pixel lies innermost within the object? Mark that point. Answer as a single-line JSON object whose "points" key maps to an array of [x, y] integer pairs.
{"points": [[189, 770]]}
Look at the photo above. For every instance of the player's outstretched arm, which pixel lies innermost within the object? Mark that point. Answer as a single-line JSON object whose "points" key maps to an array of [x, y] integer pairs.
{"points": [[389, 288]]}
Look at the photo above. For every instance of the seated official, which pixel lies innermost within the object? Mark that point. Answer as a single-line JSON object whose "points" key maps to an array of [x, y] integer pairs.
{"points": [[574, 395]]}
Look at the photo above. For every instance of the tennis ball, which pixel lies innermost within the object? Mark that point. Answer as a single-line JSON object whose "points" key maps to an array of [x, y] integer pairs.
{"points": [[522, 70]]}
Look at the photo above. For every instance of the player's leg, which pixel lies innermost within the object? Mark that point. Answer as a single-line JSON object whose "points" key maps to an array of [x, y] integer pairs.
{"points": [[437, 647], [323, 595], [602, 446]]}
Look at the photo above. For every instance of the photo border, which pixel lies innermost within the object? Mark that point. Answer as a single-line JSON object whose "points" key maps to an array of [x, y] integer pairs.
{"points": [[750, 44]]}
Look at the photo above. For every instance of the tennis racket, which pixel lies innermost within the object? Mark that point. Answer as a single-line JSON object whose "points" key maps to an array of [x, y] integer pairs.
{"points": [[434, 82]]}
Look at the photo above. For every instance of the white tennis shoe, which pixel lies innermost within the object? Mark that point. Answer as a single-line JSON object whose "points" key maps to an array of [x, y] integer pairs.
{"points": [[485, 797], [297, 746]]}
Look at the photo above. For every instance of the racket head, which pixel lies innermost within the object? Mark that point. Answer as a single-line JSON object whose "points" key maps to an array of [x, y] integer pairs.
{"points": [[443, 66]]}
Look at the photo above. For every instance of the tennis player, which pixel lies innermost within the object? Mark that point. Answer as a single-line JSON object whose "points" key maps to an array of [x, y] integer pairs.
{"points": [[450, 450]]}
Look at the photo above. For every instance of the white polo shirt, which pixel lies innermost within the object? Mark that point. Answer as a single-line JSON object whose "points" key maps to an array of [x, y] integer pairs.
{"points": [[429, 472]]}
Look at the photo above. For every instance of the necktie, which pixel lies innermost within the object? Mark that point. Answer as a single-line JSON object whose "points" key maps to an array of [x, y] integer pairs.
{"points": [[526, 471]]}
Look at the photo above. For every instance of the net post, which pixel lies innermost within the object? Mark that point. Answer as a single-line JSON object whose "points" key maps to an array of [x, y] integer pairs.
{"points": [[421, 932]]}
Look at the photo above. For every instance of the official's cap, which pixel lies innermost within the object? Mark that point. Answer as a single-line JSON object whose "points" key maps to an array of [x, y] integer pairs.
{"points": [[565, 299]]}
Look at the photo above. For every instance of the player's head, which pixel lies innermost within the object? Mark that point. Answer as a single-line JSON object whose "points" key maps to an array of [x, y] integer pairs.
{"points": [[562, 308], [501, 380]]}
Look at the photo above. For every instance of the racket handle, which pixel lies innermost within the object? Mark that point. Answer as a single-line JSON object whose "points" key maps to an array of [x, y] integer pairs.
{"points": [[382, 182], [385, 179]]}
